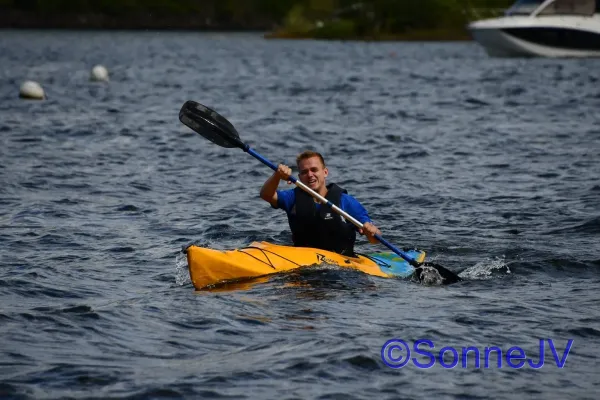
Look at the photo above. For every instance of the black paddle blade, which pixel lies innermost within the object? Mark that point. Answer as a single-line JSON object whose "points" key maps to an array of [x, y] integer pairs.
{"points": [[434, 274], [210, 124]]}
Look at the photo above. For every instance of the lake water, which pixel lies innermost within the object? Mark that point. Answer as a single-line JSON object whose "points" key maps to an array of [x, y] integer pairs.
{"points": [[490, 165]]}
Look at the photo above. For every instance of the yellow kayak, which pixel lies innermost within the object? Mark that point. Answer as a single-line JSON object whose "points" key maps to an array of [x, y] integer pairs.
{"points": [[209, 266]]}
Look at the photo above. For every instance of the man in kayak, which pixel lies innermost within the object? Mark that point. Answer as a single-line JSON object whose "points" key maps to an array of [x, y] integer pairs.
{"points": [[312, 224]]}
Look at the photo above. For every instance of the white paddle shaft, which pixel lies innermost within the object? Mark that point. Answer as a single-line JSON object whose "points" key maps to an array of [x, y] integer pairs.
{"points": [[325, 201]]}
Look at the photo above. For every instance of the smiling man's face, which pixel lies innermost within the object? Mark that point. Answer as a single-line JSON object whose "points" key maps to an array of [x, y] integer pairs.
{"points": [[312, 173]]}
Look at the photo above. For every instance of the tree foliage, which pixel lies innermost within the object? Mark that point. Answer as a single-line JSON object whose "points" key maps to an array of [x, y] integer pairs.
{"points": [[318, 18]]}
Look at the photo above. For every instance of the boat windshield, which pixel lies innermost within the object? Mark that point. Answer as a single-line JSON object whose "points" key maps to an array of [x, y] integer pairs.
{"points": [[524, 7], [555, 7], [570, 7]]}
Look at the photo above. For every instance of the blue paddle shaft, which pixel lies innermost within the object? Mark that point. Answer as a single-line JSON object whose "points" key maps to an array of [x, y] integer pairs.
{"points": [[268, 163], [265, 161]]}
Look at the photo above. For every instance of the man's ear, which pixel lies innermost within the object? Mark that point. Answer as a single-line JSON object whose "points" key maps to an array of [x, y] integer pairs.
{"points": [[325, 172]]}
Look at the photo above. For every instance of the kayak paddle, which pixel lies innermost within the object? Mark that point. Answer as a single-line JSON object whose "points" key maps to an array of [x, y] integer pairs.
{"points": [[216, 128]]}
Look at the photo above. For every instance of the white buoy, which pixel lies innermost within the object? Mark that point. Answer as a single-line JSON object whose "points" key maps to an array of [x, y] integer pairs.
{"points": [[31, 90], [99, 73]]}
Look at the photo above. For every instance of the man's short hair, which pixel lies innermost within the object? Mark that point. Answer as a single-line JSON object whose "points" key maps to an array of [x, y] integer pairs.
{"points": [[309, 154]]}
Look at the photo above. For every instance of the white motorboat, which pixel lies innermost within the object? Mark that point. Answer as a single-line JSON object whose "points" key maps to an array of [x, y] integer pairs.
{"points": [[542, 28]]}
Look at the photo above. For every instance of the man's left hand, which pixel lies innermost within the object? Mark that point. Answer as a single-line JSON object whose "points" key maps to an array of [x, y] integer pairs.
{"points": [[370, 230]]}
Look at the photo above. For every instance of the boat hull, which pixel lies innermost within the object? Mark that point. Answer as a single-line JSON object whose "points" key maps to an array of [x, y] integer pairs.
{"points": [[210, 267], [547, 36]]}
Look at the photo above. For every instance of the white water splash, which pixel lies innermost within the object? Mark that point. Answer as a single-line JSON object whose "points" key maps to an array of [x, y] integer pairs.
{"points": [[182, 275], [486, 269]]}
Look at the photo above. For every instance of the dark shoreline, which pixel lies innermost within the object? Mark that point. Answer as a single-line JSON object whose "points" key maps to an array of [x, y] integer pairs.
{"points": [[146, 22], [410, 36]]}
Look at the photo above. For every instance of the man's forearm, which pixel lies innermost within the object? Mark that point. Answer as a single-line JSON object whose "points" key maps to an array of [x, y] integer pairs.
{"points": [[270, 187]]}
